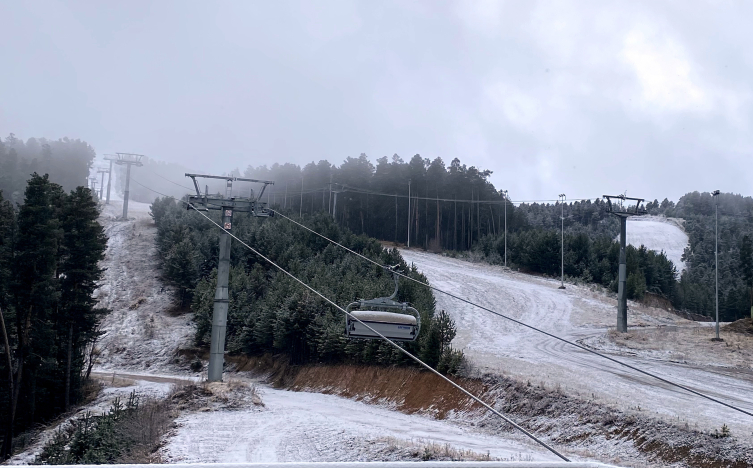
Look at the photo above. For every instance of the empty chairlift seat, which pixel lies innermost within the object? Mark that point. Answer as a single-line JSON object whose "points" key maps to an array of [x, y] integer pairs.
{"points": [[397, 321], [395, 326]]}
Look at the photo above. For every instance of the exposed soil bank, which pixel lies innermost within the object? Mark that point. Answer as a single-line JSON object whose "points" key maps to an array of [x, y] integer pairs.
{"points": [[578, 425]]}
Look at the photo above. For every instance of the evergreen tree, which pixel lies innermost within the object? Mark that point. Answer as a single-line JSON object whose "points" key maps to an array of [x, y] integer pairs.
{"points": [[83, 246], [34, 288]]}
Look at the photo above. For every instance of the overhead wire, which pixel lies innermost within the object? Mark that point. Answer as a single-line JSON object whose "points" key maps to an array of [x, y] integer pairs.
{"points": [[551, 335], [392, 343], [416, 197]]}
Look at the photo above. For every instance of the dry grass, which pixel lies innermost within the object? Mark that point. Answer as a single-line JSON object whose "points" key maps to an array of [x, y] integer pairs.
{"points": [[691, 344], [214, 396], [427, 450]]}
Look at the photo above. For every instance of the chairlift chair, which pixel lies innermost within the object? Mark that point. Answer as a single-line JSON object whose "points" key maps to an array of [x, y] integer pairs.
{"points": [[397, 321]]}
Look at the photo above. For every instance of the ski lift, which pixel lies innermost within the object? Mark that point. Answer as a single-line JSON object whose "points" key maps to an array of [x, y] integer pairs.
{"points": [[397, 321]]}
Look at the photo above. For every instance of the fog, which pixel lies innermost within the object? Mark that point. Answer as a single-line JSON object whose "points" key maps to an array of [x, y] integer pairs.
{"points": [[584, 98]]}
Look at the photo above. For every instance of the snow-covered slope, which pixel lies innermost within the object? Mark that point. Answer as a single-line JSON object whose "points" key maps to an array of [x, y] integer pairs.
{"points": [[578, 312], [313, 427], [139, 333], [660, 234]]}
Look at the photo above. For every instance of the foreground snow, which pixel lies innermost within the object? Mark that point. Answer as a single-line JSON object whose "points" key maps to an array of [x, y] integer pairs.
{"points": [[302, 426], [498, 345], [660, 234]]}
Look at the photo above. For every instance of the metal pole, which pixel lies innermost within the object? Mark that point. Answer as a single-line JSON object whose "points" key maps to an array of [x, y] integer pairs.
{"points": [[125, 193], [300, 207], [109, 179], [409, 213], [334, 208], [621, 289], [562, 239], [101, 186], [505, 194], [716, 261], [221, 300]]}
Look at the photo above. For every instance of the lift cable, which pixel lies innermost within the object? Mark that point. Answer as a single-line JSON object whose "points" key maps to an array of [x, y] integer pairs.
{"points": [[348, 188], [395, 345], [551, 335]]}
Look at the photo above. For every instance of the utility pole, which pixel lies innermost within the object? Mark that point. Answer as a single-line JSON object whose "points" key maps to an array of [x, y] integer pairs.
{"points": [[504, 194], [93, 184], [409, 213], [623, 213], [329, 205], [562, 239], [227, 204], [102, 185], [300, 205], [124, 159], [715, 193]]}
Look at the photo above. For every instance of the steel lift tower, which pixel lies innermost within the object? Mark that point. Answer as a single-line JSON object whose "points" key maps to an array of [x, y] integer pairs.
{"points": [[623, 212], [227, 205], [125, 159]]}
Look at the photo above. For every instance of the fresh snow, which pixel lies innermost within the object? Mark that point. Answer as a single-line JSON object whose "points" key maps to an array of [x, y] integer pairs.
{"points": [[495, 344], [303, 426], [659, 234], [139, 333]]}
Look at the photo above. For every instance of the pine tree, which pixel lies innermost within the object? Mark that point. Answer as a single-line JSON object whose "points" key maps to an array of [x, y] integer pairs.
{"points": [[83, 246], [34, 285]]}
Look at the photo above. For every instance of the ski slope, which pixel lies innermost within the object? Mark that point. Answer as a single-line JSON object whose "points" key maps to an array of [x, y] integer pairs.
{"points": [[314, 427], [139, 333], [660, 234], [576, 313]]}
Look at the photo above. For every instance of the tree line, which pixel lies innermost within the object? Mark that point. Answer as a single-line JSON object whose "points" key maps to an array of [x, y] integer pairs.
{"points": [[66, 161], [456, 208], [50, 246], [697, 283], [268, 312]]}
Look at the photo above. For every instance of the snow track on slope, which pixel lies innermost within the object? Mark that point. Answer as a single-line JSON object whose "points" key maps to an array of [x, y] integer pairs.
{"points": [[139, 333], [303, 426], [498, 345]]}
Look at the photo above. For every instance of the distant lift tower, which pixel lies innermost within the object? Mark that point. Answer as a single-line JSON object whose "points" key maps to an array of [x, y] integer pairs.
{"points": [[623, 212], [227, 204], [111, 158], [102, 185], [125, 159]]}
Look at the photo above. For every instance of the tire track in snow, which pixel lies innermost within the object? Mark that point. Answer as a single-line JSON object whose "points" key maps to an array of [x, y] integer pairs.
{"points": [[495, 344]]}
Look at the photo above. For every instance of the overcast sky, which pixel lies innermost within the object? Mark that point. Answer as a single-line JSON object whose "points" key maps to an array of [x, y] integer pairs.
{"points": [[584, 98]]}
